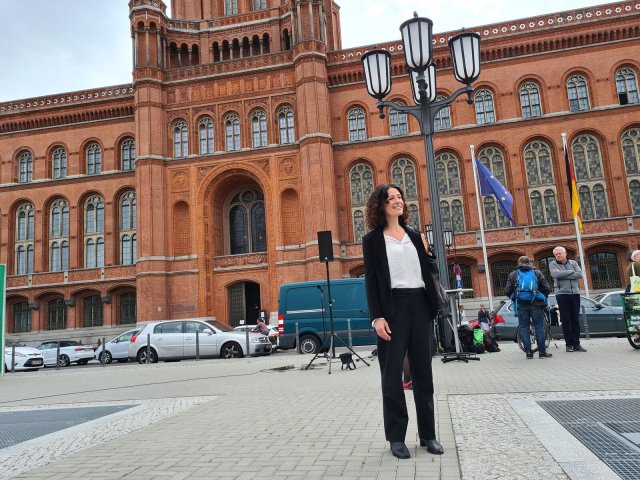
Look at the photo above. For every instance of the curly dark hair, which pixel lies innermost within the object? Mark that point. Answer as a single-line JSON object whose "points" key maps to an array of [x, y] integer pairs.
{"points": [[375, 207]]}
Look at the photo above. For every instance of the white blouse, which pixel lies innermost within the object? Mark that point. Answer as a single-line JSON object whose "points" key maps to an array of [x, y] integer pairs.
{"points": [[404, 264]]}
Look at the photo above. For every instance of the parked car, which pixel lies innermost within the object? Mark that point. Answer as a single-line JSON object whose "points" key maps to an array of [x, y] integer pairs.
{"points": [[71, 351], [306, 304], [610, 299], [176, 340], [273, 333], [116, 349], [26, 358], [602, 319]]}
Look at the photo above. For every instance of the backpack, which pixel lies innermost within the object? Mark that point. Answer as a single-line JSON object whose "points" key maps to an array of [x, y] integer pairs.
{"points": [[526, 285], [478, 341]]}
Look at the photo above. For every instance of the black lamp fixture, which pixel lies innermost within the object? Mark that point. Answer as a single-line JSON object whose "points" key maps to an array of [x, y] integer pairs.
{"points": [[447, 236]]}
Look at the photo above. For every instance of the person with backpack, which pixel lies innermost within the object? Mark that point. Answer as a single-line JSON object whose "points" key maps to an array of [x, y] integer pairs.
{"points": [[566, 276], [528, 290]]}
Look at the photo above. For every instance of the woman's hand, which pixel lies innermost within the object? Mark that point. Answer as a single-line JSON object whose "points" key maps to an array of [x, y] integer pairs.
{"points": [[382, 329]]}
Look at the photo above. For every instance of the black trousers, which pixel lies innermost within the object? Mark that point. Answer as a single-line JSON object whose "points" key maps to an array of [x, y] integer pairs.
{"points": [[569, 306], [411, 332]]}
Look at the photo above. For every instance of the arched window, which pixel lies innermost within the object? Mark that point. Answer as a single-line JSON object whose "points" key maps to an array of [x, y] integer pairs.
{"points": [[589, 174], [286, 125], [247, 225], [230, 7], [500, 271], [539, 168], [127, 309], [205, 135], [21, 317], [24, 246], [604, 270], [530, 100], [485, 111], [59, 236], [577, 93], [361, 186], [493, 159], [94, 159], [357, 125], [59, 163], [398, 123], [92, 311], [25, 167], [259, 4], [403, 174], [57, 311], [232, 132], [128, 154], [543, 266], [93, 232], [443, 117], [593, 202], [180, 140], [627, 86], [634, 193], [631, 150], [128, 221], [448, 175], [259, 129]]}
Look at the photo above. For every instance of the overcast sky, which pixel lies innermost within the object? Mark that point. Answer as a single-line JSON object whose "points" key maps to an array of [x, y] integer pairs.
{"points": [[55, 46]]}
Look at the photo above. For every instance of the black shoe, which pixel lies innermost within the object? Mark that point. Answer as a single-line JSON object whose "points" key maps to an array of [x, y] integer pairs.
{"points": [[579, 348], [399, 450], [529, 355], [545, 355], [433, 446], [569, 348]]}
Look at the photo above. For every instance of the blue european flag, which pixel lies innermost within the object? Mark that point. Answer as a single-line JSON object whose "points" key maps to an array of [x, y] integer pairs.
{"points": [[489, 185]]}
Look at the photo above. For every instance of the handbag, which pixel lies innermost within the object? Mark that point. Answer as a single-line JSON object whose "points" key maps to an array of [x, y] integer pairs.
{"points": [[634, 281], [441, 294]]}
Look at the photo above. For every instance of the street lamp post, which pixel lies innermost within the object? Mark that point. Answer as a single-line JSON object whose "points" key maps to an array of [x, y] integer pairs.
{"points": [[417, 45]]}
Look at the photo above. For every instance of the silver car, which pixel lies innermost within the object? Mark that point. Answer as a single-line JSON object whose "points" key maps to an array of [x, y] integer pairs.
{"points": [[176, 340]]}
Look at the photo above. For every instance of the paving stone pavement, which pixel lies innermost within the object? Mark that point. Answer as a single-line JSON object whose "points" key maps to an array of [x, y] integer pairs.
{"points": [[246, 421]]}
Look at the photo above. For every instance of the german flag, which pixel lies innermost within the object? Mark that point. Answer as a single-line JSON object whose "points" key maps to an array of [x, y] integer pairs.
{"points": [[571, 183]]}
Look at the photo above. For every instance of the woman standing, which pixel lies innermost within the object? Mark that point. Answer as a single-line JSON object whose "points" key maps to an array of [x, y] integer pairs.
{"points": [[403, 299]]}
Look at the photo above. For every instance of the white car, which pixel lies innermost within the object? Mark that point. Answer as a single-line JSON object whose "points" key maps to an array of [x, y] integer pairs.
{"points": [[26, 358], [116, 349], [71, 351], [176, 340], [273, 333]]}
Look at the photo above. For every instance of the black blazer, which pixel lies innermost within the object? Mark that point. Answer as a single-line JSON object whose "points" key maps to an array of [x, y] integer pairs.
{"points": [[377, 279]]}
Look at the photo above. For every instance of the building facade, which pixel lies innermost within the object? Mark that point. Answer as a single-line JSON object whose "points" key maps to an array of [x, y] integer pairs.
{"points": [[199, 188]]}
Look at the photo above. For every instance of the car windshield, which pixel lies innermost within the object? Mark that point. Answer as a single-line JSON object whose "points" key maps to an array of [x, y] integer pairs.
{"points": [[11, 343], [599, 297], [221, 326]]}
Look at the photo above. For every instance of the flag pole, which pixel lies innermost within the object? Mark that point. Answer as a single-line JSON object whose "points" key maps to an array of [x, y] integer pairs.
{"points": [[575, 221], [481, 219]]}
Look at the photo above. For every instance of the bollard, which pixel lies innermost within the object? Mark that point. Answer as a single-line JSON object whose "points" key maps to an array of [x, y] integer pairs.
{"points": [[197, 344], [247, 339], [298, 339], [13, 359], [584, 322], [104, 349], [349, 333], [148, 359], [58, 356]]}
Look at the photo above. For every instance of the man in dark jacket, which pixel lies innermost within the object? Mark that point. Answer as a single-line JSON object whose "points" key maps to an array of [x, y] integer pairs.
{"points": [[530, 311]]}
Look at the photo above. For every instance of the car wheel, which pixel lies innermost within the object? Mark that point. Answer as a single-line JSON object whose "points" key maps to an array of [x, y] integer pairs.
{"points": [[63, 361], [231, 350], [105, 357], [142, 356], [309, 344], [83, 362], [634, 340]]}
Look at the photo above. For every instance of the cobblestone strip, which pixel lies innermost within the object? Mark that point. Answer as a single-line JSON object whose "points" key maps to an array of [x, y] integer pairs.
{"points": [[52, 447]]}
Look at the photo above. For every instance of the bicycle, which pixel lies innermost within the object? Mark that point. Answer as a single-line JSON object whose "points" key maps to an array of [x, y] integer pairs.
{"points": [[532, 334]]}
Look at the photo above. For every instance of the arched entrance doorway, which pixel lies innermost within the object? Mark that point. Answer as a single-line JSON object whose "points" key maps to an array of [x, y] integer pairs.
{"points": [[244, 303]]}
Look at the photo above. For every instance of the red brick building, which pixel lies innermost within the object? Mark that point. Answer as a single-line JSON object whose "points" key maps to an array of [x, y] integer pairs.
{"points": [[199, 188]]}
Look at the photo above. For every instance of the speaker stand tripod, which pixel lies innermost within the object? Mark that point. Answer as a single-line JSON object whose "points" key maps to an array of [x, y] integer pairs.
{"points": [[332, 335], [454, 323]]}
